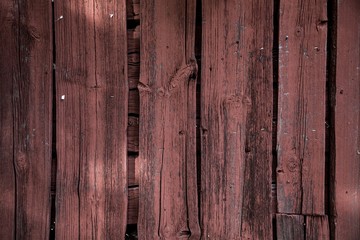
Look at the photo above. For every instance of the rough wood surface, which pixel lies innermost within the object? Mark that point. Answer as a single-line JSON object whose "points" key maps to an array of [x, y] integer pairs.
{"points": [[133, 171], [301, 114], [134, 104], [134, 57], [91, 100], [25, 119], [317, 228], [290, 227], [236, 119], [347, 122], [133, 134], [133, 206], [167, 154], [133, 9]]}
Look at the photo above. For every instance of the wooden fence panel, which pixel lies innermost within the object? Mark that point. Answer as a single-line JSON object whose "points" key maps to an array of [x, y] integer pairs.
{"points": [[91, 101], [347, 122], [167, 154], [301, 114], [236, 119], [25, 119]]}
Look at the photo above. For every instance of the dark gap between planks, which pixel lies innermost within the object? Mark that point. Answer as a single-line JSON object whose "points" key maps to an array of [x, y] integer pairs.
{"points": [[330, 115], [276, 17], [54, 153], [131, 229], [198, 53]]}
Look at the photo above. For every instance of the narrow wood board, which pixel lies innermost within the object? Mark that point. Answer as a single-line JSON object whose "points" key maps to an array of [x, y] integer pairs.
{"points": [[236, 119], [290, 227], [133, 206], [25, 119], [92, 112], [133, 134], [347, 122], [167, 149], [317, 228], [301, 107]]}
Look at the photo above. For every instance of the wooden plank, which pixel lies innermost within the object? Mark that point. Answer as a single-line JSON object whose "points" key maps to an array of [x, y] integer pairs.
{"points": [[290, 227], [301, 114], [133, 171], [347, 122], [167, 154], [133, 134], [133, 39], [25, 119], [133, 206], [133, 9], [236, 119], [134, 104], [91, 100], [317, 228], [9, 69]]}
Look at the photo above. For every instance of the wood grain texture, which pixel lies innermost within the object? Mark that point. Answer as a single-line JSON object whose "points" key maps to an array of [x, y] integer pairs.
{"points": [[133, 206], [133, 9], [167, 154], [317, 228], [301, 114], [134, 104], [9, 68], [25, 119], [133, 171], [347, 122], [133, 134], [236, 119], [290, 227], [134, 54], [92, 99]]}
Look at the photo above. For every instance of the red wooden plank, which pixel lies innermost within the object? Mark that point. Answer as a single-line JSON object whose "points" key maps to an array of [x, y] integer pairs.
{"points": [[347, 122], [290, 227], [133, 134], [236, 119], [317, 228], [301, 114], [133, 171], [9, 68], [25, 116], [167, 154], [92, 99], [133, 206]]}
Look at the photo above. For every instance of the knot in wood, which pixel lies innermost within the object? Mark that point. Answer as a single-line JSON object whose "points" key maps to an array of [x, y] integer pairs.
{"points": [[183, 74], [292, 165], [142, 87]]}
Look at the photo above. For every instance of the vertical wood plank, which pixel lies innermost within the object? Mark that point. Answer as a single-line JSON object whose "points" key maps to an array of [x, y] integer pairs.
{"points": [[167, 154], [301, 114], [236, 117], [26, 87], [317, 228], [347, 121], [92, 99], [290, 227], [9, 70]]}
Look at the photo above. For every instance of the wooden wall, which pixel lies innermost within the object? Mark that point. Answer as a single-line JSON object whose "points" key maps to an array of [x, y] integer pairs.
{"points": [[196, 119]]}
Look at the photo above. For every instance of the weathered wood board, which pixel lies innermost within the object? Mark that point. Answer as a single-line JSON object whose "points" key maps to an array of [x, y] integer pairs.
{"points": [[236, 119], [317, 228], [167, 150], [347, 122], [92, 112], [301, 107], [290, 227], [25, 119]]}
